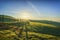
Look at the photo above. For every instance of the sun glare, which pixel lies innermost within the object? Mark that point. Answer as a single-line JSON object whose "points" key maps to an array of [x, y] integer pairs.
{"points": [[25, 15]]}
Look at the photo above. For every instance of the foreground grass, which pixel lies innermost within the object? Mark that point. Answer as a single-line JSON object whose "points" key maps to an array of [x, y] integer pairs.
{"points": [[36, 31], [9, 35]]}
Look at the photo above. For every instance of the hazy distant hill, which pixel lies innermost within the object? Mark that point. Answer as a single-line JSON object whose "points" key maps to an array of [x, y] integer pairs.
{"points": [[47, 22]]}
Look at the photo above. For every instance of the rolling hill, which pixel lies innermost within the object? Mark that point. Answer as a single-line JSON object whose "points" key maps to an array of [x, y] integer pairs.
{"points": [[36, 29], [5, 18], [47, 22], [7, 21]]}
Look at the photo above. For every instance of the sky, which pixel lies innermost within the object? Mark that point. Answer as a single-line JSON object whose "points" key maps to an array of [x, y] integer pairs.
{"points": [[34, 9]]}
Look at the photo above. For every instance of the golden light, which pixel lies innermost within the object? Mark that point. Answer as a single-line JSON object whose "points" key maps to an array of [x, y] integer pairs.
{"points": [[25, 15]]}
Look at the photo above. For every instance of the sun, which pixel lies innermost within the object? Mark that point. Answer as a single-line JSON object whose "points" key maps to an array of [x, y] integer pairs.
{"points": [[25, 15]]}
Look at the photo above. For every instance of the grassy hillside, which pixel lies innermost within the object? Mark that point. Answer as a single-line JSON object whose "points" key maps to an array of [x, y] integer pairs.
{"points": [[7, 21], [4, 18], [44, 28], [36, 29], [47, 22]]}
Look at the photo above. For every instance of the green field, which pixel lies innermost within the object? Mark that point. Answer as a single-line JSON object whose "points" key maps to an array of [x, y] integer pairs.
{"points": [[13, 29]]}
